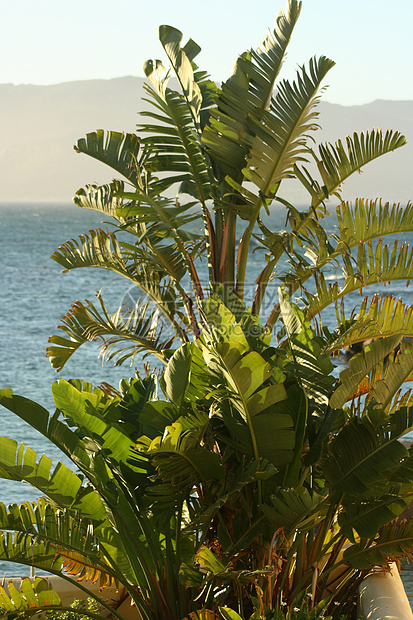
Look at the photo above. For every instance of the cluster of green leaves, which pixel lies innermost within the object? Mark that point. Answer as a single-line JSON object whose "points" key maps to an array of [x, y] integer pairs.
{"points": [[25, 601], [226, 152], [79, 610], [238, 486]]}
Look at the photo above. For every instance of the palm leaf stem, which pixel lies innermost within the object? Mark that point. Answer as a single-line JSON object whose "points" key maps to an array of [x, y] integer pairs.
{"points": [[210, 238], [262, 282], [244, 252], [119, 576], [219, 233], [135, 555], [305, 96], [188, 262], [338, 542], [227, 252], [177, 563]]}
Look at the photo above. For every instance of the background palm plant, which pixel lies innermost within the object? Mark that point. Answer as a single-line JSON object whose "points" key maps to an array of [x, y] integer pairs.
{"points": [[227, 151]]}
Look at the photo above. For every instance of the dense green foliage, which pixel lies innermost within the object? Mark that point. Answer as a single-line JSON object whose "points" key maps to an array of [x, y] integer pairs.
{"points": [[197, 177], [230, 481], [246, 479]]}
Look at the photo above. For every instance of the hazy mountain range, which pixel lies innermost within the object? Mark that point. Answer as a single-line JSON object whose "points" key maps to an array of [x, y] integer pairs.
{"points": [[40, 124]]}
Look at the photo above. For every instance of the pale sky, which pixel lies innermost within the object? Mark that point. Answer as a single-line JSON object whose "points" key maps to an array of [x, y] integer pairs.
{"points": [[53, 41]]}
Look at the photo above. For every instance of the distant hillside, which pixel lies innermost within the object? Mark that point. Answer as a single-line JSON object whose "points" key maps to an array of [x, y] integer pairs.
{"points": [[40, 124]]}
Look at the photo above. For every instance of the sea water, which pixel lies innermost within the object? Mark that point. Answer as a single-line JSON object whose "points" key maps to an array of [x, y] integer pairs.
{"points": [[35, 294]]}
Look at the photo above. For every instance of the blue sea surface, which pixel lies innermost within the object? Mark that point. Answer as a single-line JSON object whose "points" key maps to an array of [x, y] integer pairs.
{"points": [[35, 294]]}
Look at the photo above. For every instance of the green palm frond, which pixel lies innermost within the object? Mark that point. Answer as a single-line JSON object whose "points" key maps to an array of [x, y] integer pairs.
{"points": [[366, 518], [373, 265], [18, 462], [312, 366], [360, 366], [174, 145], [391, 375], [384, 317], [118, 150], [179, 458], [394, 541], [336, 163], [363, 456], [282, 131], [243, 383], [358, 224], [99, 248], [295, 509], [161, 217], [248, 91], [171, 40], [371, 219], [401, 400], [71, 537], [122, 335], [159, 220], [20, 548], [31, 598], [101, 198]]}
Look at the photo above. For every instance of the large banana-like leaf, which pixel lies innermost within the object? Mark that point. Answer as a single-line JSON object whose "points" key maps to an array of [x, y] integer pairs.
{"points": [[248, 91], [232, 488], [17, 547], [118, 150], [363, 455], [254, 424], [21, 549], [175, 380], [295, 509], [181, 461], [312, 366], [20, 463], [336, 163], [31, 598], [313, 371], [282, 132], [366, 518], [394, 541], [84, 409], [22, 466], [360, 365]]}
